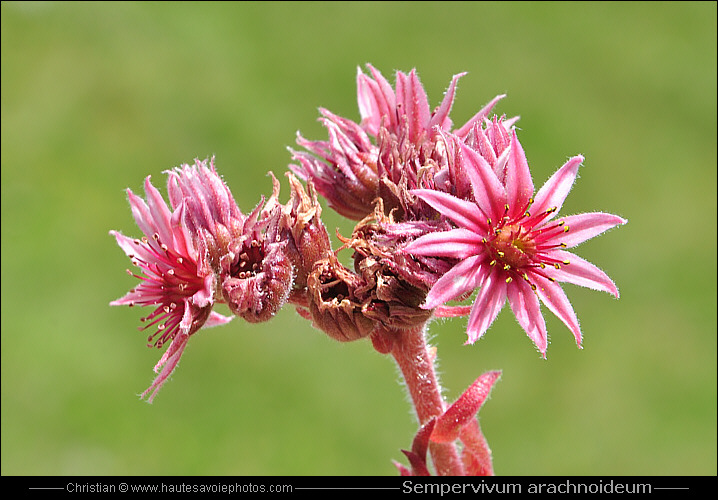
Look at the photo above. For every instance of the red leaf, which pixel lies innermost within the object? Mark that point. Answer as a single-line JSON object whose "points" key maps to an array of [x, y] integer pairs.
{"points": [[464, 409]]}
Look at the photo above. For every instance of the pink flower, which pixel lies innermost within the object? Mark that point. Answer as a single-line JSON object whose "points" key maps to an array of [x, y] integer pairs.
{"points": [[172, 280], [509, 245], [393, 147]]}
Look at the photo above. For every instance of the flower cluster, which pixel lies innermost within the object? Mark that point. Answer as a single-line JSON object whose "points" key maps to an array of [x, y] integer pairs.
{"points": [[459, 203], [202, 250], [440, 212]]}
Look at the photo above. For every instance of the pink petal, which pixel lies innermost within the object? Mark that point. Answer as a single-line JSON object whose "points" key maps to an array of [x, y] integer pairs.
{"points": [[478, 117], [141, 213], [553, 296], [441, 115], [490, 195], [132, 249], [463, 277], [489, 303], [580, 272], [554, 191], [527, 309], [160, 213], [182, 234], [411, 96], [451, 311], [519, 186], [204, 296], [464, 213], [456, 243], [169, 362], [216, 319], [583, 227], [384, 106]]}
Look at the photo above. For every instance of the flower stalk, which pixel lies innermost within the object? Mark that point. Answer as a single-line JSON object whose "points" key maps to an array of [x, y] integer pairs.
{"points": [[416, 362]]}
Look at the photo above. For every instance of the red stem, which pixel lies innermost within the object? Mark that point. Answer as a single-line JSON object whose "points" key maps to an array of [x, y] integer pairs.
{"points": [[417, 365]]}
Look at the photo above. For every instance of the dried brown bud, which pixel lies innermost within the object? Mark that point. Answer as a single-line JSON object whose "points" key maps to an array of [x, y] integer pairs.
{"points": [[333, 304]]}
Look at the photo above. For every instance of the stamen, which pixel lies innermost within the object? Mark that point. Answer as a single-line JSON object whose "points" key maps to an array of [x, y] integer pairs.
{"points": [[509, 279]]}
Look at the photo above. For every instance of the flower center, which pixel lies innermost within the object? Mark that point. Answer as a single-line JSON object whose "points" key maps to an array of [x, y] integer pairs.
{"points": [[514, 246], [250, 259]]}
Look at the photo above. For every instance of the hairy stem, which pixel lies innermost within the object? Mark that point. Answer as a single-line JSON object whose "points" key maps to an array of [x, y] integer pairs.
{"points": [[417, 365]]}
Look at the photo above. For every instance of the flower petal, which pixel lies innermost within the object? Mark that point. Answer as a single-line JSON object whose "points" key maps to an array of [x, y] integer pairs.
{"points": [[376, 101], [553, 296], [141, 213], [489, 302], [554, 191], [456, 243], [161, 215], [411, 97], [583, 227], [580, 272], [478, 117], [464, 213], [519, 186], [527, 309], [489, 193], [216, 319], [463, 277], [440, 117]]}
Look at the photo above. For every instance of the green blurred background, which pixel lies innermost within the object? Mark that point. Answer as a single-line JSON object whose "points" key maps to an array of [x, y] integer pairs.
{"points": [[96, 96]]}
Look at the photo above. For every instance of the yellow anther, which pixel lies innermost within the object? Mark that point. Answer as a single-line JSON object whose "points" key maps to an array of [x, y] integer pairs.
{"points": [[509, 279]]}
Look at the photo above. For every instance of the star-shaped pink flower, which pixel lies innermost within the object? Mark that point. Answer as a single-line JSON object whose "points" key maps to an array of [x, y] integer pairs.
{"points": [[172, 280], [510, 245]]}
